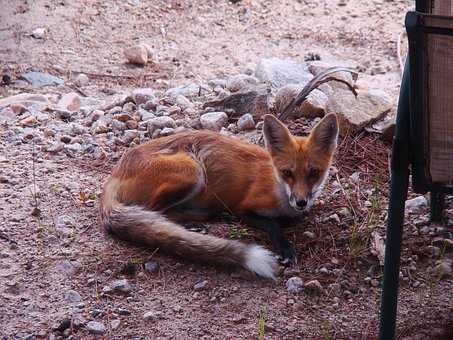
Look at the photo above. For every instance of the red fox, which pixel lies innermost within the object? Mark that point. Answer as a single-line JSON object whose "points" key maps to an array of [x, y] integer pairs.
{"points": [[193, 176]]}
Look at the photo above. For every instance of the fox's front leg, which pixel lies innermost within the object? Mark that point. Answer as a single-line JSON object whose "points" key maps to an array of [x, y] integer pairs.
{"points": [[274, 229]]}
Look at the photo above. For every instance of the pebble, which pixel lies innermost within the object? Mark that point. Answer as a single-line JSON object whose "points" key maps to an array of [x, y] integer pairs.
{"points": [[310, 235], [203, 285], [72, 296], [69, 102], [151, 266], [214, 120], [443, 269], [246, 122], [137, 54], [432, 251], [160, 123], [95, 327], [152, 316], [39, 33], [29, 121], [114, 324], [122, 286], [313, 287], [81, 80], [416, 203], [295, 285]]}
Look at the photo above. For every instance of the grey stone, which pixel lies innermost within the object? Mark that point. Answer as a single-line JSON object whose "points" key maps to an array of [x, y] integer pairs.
{"points": [[41, 79], [72, 296], [95, 327], [280, 72], [152, 316], [118, 126], [122, 286], [415, 204], [309, 235], [115, 324], [187, 90], [214, 120], [82, 80], [160, 123], [246, 122], [183, 102], [203, 285], [295, 284], [27, 100]]}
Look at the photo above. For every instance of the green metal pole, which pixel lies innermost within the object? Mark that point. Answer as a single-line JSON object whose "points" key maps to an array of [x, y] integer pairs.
{"points": [[398, 195]]}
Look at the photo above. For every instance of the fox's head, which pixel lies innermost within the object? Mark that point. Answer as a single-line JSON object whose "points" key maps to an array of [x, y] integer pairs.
{"points": [[301, 163]]}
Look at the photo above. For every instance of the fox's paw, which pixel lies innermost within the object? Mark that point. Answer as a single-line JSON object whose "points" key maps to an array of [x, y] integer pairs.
{"points": [[261, 261], [288, 255]]}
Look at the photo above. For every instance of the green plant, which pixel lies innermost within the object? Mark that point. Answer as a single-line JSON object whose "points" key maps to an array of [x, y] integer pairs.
{"points": [[236, 233], [261, 324]]}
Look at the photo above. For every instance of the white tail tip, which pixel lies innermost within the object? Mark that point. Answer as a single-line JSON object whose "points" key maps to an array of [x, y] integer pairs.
{"points": [[261, 261]]}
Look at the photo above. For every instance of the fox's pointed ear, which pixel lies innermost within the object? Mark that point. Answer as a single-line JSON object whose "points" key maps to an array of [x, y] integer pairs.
{"points": [[325, 134], [276, 135]]}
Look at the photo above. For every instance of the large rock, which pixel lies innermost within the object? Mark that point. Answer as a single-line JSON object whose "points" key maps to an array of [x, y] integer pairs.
{"points": [[254, 101], [315, 104], [355, 113], [214, 120], [41, 79], [37, 101], [280, 72]]}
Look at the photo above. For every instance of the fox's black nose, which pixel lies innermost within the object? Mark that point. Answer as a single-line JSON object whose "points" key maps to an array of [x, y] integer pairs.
{"points": [[301, 203]]}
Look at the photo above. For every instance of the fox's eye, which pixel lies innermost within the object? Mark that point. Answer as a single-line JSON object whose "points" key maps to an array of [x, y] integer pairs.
{"points": [[287, 173], [313, 173]]}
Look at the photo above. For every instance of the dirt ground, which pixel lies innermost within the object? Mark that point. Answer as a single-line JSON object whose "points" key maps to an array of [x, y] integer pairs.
{"points": [[194, 41]]}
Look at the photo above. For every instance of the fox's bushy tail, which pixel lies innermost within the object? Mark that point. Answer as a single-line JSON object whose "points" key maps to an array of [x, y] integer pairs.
{"points": [[136, 224]]}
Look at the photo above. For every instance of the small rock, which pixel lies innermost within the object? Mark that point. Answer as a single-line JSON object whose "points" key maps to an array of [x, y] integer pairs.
{"points": [[69, 102], [27, 100], [122, 286], [151, 266], [432, 251], [123, 311], [313, 287], [29, 121], [122, 117], [203, 285], [416, 203], [72, 296], [143, 95], [136, 55], [160, 123], [334, 218], [166, 132], [95, 327], [82, 80], [295, 284], [187, 90], [310, 235], [39, 33], [118, 126], [214, 120], [246, 122], [152, 316], [183, 102], [115, 324], [443, 269]]}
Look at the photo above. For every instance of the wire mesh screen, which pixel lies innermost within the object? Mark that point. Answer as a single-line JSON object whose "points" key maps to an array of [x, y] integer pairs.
{"points": [[442, 7], [440, 107]]}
